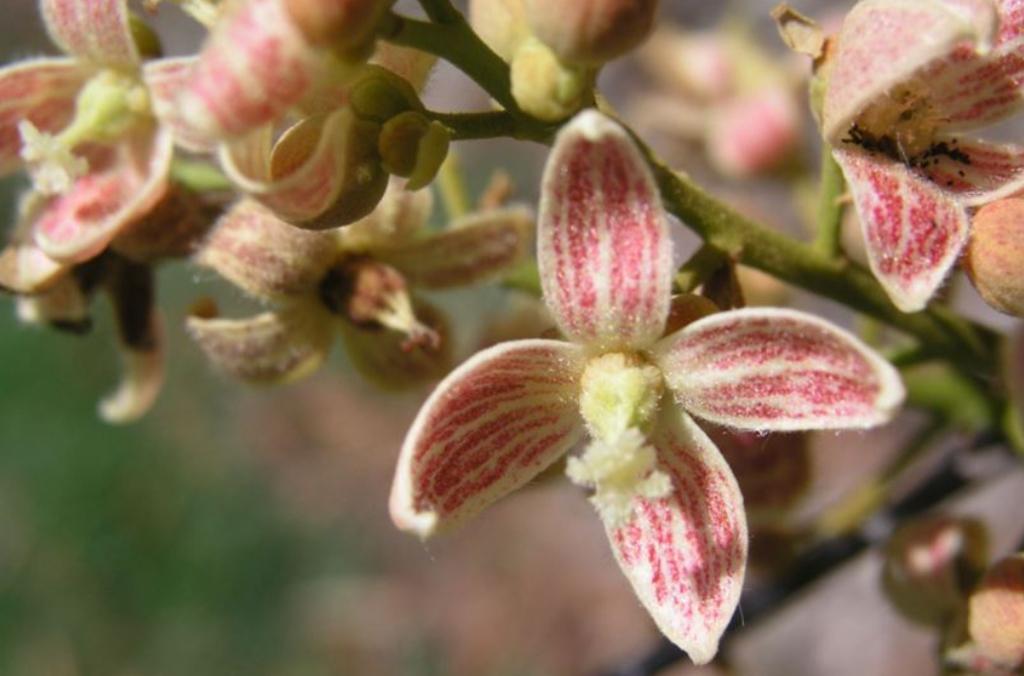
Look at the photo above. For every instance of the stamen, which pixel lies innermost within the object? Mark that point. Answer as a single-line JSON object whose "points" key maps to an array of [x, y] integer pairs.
{"points": [[619, 472], [52, 166]]}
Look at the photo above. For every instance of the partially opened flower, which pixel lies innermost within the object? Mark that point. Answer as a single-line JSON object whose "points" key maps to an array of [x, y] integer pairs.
{"points": [[670, 504], [907, 78], [355, 281]]}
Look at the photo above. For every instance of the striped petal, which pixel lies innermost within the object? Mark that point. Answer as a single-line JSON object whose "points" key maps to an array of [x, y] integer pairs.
{"points": [[322, 173], [92, 30], [885, 43], [686, 554], [41, 91], [388, 359], [477, 248], [769, 369], [1011, 20], [270, 348], [977, 172], [973, 91], [164, 79], [254, 67], [79, 224], [264, 256], [24, 267], [492, 425], [603, 248], [913, 231]]}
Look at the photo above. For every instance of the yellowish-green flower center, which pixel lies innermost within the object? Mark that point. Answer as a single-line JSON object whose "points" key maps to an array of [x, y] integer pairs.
{"points": [[619, 391], [903, 124]]}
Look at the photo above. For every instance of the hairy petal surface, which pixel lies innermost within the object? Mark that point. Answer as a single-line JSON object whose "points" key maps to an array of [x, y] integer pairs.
{"points": [[778, 370], [264, 256], [399, 218], [884, 43], [604, 249], [92, 30], [164, 79], [977, 172], [254, 67], [686, 554], [477, 248], [913, 231], [493, 424], [270, 348], [24, 267], [41, 91]]}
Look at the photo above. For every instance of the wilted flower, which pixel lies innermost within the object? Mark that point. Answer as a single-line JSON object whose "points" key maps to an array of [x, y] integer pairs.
{"points": [[670, 504], [906, 78], [356, 281]]}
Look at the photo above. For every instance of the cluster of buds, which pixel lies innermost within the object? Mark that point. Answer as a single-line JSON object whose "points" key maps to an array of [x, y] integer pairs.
{"points": [[719, 89], [555, 49], [935, 574]]}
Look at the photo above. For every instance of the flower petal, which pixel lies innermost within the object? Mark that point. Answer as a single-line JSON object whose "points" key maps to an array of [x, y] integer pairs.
{"points": [[686, 554], [492, 425], [63, 304], [771, 369], [264, 256], [164, 79], [270, 348], [386, 357], [973, 92], [1011, 20], [24, 267], [315, 174], [141, 381], [78, 225], [884, 43], [400, 216], [977, 172], [92, 30], [604, 249], [913, 231], [479, 247], [253, 68], [41, 91]]}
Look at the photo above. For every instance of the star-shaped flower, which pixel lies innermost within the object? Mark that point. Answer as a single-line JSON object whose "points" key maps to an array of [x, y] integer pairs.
{"points": [[355, 281], [671, 506], [906, 79]]}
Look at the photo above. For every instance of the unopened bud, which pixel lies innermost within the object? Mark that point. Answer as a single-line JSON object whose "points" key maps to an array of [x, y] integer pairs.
{"points": [[501, 24], [379, 95], [754, 134], [687, 308], [545, 87], [590, 31], [994, 254], [996, 613], [929, 565], [413, 147]]}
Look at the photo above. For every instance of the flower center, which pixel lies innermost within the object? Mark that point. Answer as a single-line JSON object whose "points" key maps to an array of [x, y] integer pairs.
{"points": [[618, 400], [903, 125]]}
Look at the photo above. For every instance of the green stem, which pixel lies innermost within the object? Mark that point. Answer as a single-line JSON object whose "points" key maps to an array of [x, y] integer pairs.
{"points": [[452, 187], [830, 205], [440, 11]]}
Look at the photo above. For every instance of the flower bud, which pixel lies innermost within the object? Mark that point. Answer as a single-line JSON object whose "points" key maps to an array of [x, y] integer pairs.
{"points": [[545, 87], [754, 134], [994, 254], [501, 24], [996, 613], [413, 147], [590, 31], [929, 565], [379, 95]]}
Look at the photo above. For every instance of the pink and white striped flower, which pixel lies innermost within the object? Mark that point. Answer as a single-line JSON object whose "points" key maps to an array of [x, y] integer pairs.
{"points": [[671, 506], [907, 78]]}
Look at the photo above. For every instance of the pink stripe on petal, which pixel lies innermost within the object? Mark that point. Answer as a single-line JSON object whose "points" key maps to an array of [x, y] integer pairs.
{"points": [[41, 91], [165, 78], [492, 425], [92, 30], [480, 247], [970, 91], [1011, 20], [686, 554], [778, 370], [884, 43], [976, 171], [79, 224], [913, 230], [254, 67], [603, 247]]}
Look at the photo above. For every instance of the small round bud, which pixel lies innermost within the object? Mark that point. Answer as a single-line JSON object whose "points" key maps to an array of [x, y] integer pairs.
{"points": [[590, 31], [994, 254], [501, 24], [413, 147], [545, 87], [996, 613], [754, 134], [379, 95], [929, 565]]}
